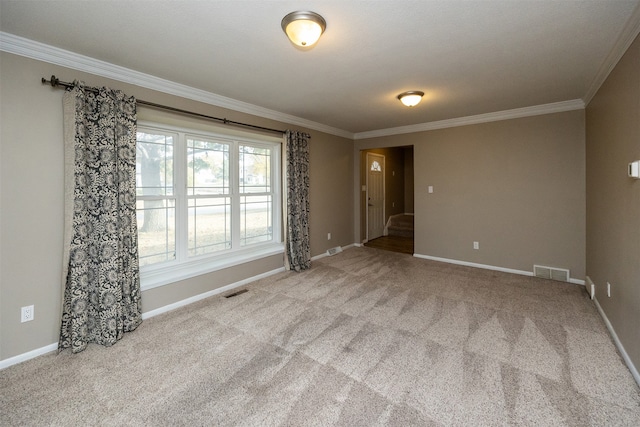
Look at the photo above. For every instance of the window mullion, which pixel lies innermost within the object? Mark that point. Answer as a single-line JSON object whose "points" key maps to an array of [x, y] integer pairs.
{"points": [[180, 168], [234, 172]]}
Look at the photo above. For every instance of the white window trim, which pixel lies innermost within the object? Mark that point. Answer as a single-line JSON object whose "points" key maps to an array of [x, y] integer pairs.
{"points": [[171, 272], [165, 273]]}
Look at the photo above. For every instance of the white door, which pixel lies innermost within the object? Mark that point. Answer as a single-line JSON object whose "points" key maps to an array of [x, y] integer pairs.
{"points": [[375, 195]]}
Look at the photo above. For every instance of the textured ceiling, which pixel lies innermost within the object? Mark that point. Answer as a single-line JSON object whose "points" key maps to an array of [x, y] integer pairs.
{"points": [[469, 57]]}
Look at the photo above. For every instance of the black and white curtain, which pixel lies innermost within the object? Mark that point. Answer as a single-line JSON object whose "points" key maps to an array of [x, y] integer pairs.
{"points": [[298, 250], [100, 270]]}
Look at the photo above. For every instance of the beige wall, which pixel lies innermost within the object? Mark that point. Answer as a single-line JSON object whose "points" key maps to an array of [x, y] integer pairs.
{"points": [[515, 186], [613, 199], [331, 192], [31, 179]]}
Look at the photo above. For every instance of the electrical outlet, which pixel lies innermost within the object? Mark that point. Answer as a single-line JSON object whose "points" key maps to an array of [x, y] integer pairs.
{"points": [[27, 314], [328, 236], [476, 245], [609, 289]]}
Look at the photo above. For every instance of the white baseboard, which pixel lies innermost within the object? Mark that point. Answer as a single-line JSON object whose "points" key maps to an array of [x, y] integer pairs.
{"points": [[317, 257], [488, 267], [28, 355], [616, 340], [208, 294], [52, 347]]}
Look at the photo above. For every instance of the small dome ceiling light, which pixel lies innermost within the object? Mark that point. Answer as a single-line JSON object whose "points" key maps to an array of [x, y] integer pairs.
{"points": [[303, 28], [411, 98]]}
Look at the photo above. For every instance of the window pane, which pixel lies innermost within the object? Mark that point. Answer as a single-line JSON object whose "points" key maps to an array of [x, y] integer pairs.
{"points": [[154, 164], [156, 231], [255, 169], [207, 167], [209, 225], [255, 219]]}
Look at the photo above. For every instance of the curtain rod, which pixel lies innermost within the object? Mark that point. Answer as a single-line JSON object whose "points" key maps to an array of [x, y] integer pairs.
{"points": [[57, 83]]}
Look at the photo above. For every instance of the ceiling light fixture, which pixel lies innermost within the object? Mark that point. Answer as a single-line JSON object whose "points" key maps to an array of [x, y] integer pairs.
{"points": [[411, 98], [303, 28]]}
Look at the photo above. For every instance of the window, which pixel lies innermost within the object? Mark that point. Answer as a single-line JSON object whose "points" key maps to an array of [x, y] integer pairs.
{"points": [[205, 201]]}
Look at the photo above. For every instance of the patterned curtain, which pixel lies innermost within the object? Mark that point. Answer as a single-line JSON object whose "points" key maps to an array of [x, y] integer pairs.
{"points": [[102, 291], [298, 251]]}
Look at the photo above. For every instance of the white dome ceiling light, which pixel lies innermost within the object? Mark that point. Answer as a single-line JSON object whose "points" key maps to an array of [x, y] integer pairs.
{"points": [[411, 98], [303, 28]]}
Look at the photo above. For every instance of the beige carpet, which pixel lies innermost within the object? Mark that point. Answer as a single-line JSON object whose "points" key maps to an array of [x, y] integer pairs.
{"points": [[365, 338]]}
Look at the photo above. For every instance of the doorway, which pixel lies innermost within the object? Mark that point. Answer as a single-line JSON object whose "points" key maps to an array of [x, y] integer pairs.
{"points": [[388, 171]]}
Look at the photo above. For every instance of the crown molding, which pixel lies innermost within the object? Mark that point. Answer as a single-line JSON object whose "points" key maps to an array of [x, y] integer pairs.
{"points": [[42, 52], [626, 37], [53, 55], [536, 110]]}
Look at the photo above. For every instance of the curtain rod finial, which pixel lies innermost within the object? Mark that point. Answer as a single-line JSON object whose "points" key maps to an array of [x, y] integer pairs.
{"points": [[54, 81]]}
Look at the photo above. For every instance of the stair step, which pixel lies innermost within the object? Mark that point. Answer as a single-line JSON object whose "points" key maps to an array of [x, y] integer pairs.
{"points": [[401, 225]]}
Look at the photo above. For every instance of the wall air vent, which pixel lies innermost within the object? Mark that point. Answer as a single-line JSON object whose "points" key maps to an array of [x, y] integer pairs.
{"points": [[543, 272], [334, 251]]}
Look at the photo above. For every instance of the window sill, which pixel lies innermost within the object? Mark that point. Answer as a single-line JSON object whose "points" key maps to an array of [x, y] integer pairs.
{"points": [[174, 272]]}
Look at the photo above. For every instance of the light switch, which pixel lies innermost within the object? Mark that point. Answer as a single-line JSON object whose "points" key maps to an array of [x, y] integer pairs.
{"points": [[634, 169], [431, 189]]}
